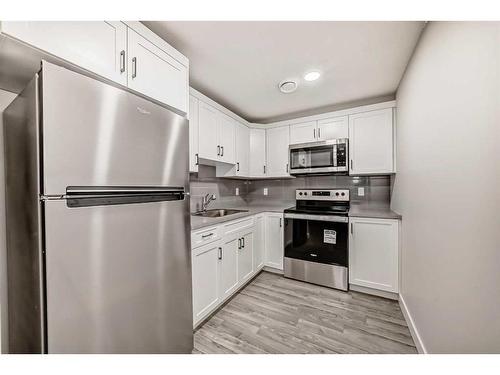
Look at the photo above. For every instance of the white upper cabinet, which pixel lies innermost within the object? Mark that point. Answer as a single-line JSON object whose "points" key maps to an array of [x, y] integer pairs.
{"points": [[242, 150], [155, 73], [257, 152], [333, 128], [303, 132], [98, 46], [209, 147], [371, 142], [278, 140], [193, 134], [374, 253], [127, 53], [226, 129]]}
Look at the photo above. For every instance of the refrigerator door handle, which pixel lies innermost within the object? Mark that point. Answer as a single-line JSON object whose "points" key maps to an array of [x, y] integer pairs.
{"points": [[83, 196]]}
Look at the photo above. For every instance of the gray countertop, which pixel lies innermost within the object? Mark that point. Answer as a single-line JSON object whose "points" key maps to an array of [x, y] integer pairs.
{"points": [[198, 222], [356, 210]]}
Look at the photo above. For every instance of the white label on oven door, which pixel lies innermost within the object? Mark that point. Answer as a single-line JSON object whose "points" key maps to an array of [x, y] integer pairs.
{"points": [[329, 236]]}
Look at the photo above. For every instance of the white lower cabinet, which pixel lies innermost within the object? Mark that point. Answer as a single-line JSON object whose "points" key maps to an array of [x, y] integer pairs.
{"points": [[374, 253], [205, 274], [228, 268], [274, 240], [235, 254], [259, 244], [245, 256]]}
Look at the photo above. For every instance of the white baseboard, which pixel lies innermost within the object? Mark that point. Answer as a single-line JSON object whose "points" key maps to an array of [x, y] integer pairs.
{"points": [[411, 325]]}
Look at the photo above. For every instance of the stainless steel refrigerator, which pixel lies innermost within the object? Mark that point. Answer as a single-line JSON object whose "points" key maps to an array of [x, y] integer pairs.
{"points": [[98, 228]]}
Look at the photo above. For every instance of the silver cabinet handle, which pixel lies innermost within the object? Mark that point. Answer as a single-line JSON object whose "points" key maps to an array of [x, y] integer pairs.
{"points": [[122, 61], [319, 133], [134, 67], [197, 159], [239, 243], [207, 235], [264, 169], [220, 253], [286, 167], [221, 150], [238, 168], [243, 239], [352, 229], [280, 222], [352, 164], [314, 133], [218, 150]]}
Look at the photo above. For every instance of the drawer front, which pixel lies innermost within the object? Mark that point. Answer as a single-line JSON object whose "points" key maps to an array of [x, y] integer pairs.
{"points": [[204, 236], [237, 226]]}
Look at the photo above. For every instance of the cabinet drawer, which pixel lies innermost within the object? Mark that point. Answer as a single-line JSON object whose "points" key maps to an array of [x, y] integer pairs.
{"points": [[236, 226], [204, 236]]}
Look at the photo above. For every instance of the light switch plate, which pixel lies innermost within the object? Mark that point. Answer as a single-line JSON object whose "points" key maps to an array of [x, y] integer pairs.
{"points": [[361, 192], [265, 191]]}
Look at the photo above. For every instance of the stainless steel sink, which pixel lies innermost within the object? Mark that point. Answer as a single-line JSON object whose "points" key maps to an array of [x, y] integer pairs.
{"points": [[218, 212]]}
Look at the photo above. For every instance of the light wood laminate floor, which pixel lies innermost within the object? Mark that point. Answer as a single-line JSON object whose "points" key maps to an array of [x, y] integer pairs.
{"points": [[273, 314]]}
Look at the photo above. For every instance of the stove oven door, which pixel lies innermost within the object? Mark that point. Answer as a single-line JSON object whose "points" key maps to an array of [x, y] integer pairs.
{"points": [[316, 249]]}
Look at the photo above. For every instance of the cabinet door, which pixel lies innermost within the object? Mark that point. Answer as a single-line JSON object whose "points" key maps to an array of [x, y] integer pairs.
{"points": [[245, 257], [258, 243], [371, 144], [277, 140], [226, 129], [242, 150], [228, 267], [303, 132], [193, 134], [274, 240], [209, 147], [333, 128], [98, 46], [155, 73], [205, 273], [257, 152], [373, 253]]}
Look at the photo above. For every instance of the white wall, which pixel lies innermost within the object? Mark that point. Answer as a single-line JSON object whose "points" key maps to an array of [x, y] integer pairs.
{"points": [[5, 99], [448, 187]]}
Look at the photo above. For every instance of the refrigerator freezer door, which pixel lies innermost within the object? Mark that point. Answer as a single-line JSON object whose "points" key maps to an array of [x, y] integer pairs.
{"points": [[118, 278], [95, 134]]}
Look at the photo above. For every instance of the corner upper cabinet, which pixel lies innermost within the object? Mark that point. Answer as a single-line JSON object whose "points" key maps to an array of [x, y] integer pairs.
{"points": [[277, 140], [257, 153], [371, 143], [98, 46], [154, 72], [193, 134]]}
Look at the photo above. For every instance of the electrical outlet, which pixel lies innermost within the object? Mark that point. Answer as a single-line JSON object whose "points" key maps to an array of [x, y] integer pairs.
{"points": [[361, 192], [237, 192], [265, 191]]}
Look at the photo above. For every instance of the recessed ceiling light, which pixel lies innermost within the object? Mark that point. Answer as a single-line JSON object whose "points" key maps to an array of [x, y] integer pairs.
{"points": [[288, 86], [312, 76]]}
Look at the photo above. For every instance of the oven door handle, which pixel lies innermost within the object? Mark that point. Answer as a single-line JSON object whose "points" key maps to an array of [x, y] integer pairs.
{"points": [[337, 219]]}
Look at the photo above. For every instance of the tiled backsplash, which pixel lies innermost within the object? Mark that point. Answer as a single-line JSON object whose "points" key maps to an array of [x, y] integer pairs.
{"points": [[377, 189]]}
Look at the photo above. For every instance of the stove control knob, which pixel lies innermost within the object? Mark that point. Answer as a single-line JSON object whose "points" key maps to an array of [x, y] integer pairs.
{"points": [[337, 193], [300, 193], [342, 194], [305, 193]]}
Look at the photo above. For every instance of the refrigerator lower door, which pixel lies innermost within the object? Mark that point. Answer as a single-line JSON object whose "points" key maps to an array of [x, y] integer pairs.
{"points": [[118, 278]]}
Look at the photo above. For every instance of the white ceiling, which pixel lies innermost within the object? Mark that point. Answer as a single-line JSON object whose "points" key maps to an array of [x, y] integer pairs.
{"points": [[239, 64]]}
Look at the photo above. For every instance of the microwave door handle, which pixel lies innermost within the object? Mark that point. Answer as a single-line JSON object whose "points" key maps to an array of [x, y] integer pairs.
{"points": [[335, 155]]}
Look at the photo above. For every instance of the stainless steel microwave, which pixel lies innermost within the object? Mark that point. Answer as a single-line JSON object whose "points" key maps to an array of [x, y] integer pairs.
{"points": [[323, 157]]}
